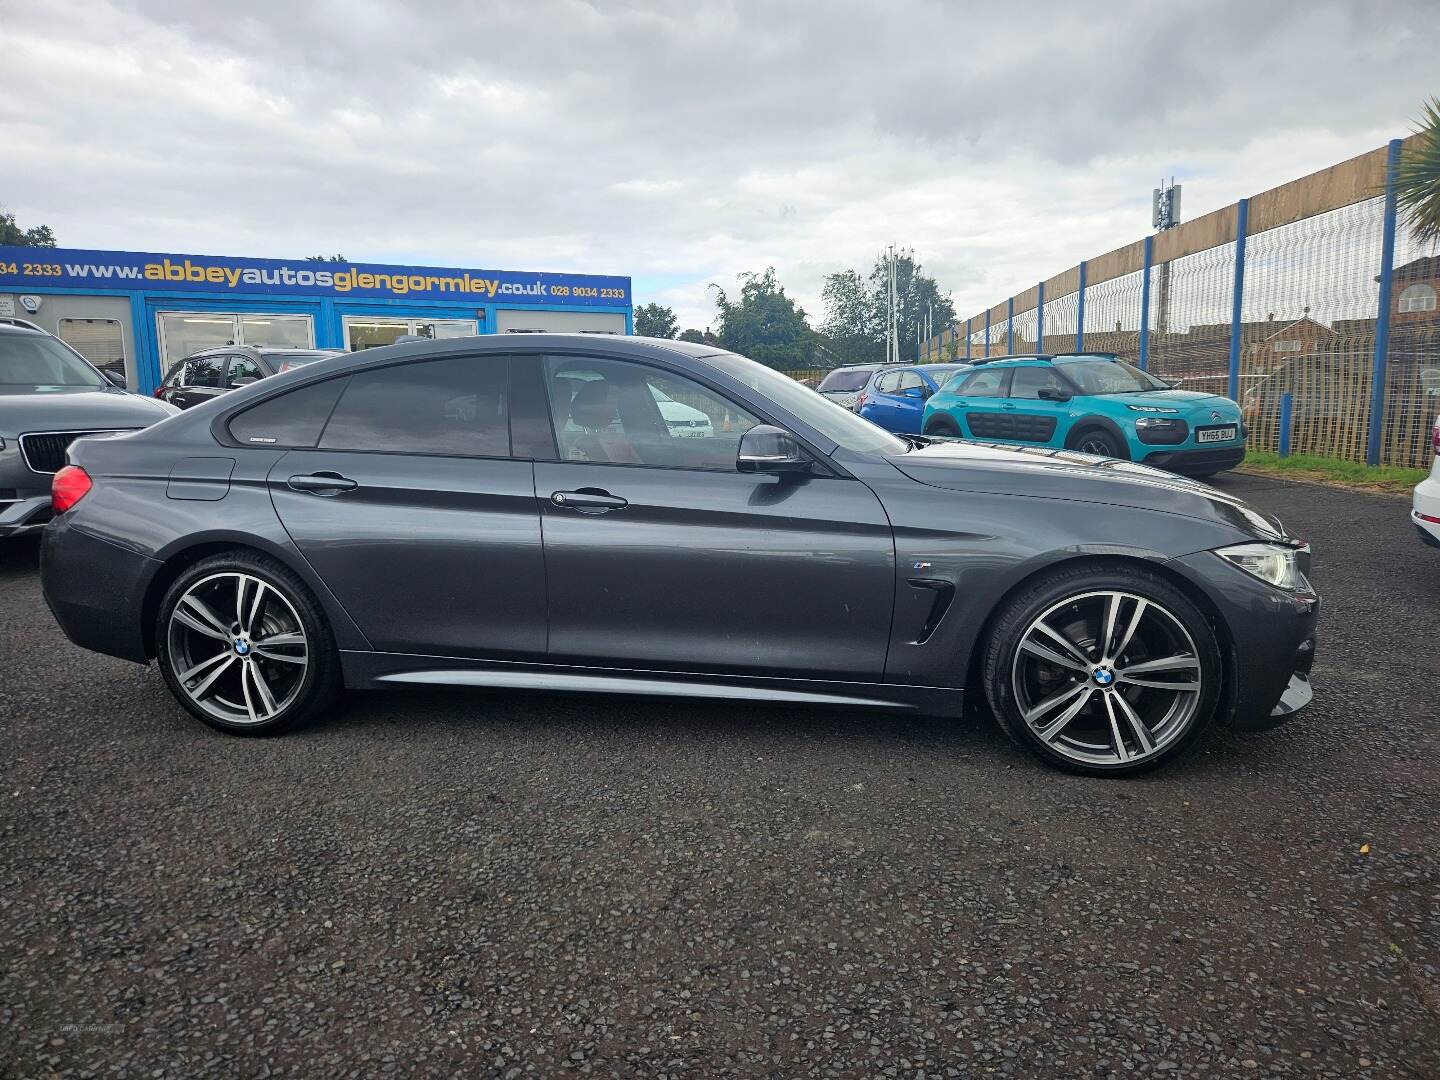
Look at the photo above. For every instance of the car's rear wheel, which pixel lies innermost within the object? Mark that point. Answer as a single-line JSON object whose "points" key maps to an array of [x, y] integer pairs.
{"points": [[1103, 670], [245, 647], [942, 426], [1101, 442]]}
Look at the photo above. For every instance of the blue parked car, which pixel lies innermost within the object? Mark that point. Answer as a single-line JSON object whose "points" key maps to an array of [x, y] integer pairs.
{"points": [[895, 397], [1095, 403]]}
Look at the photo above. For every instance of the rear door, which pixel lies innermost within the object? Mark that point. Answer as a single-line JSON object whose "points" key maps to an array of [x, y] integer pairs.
{"points": [[659, 554], [408, 503], [981, 406], [204, 379], [881, 406]]}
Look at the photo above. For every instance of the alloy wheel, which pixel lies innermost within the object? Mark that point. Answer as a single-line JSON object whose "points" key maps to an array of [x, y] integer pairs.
{"points": [[237, 648], [1107, 678], [1096, 444]]}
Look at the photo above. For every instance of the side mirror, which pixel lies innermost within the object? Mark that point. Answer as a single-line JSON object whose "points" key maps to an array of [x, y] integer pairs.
{"points": [[1049, 393], [921, 392], [115, 377], [769, 449]]}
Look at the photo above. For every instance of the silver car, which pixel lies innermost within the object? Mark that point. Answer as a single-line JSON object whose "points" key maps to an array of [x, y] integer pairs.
{"points": [[843, 385], [49, 397]]}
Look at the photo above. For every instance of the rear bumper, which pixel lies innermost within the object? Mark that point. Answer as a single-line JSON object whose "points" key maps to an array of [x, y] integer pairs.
{"points": [[1425, 509], [24, 515], [95, 590], [1272, 642], [1196, 461]]}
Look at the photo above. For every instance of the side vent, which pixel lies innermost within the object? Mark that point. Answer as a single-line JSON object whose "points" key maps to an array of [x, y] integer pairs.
{"points": [[944, 596]]}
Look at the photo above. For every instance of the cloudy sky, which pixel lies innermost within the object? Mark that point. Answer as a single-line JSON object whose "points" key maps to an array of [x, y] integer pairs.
{"points": [[683, 143]]}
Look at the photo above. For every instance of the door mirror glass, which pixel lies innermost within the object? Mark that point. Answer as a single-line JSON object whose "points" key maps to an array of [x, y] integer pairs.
{"points": [[114, 376], [769, 449], [1050, 393]]}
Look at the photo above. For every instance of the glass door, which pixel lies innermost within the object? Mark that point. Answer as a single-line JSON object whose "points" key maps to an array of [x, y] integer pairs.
{"points": [[184, 333], [371, 332]]}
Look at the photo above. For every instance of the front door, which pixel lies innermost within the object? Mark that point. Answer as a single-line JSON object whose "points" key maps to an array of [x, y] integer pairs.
{"points": [[1039, 419], [408, 504], [660, 554]]}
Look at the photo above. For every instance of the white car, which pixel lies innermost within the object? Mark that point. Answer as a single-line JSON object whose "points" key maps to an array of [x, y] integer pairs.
{"points": [[683, 421], [1425, 505]]}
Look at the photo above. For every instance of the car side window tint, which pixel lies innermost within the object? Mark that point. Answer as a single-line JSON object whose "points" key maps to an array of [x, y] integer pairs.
{"points": [[619, 413], [989, 382], [1027, 382], [294, 419], [909, 380], [205, 371], [459, 407], [177, 375], [242, 367], [887, 383]]}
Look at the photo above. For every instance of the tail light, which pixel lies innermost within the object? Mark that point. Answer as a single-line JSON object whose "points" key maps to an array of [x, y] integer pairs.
{"points": [[70, 485], [1435, 436], [860, 399], [160, 392]]}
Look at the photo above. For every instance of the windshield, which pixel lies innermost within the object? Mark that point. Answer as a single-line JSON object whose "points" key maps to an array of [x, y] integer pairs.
{"points": [[1096, 375], [843, 382], [32, 360], [822, 414]]}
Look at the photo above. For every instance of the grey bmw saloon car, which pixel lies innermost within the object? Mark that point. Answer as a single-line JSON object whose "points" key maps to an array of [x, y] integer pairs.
{"points": [[516, 512], [49, 396]]}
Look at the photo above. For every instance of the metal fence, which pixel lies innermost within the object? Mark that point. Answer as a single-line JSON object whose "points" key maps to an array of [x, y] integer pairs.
{"points": [[1308, 300]]}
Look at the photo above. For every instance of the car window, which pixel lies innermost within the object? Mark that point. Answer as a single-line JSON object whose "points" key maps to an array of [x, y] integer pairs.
{"points": [[242, 367], [293, 419], [41, 360], [910, 380], [1027, 382], [1098, 375], [845, 381], [454, 407], [988, 382], [887, 383], [204, 371], [177, 375], [619, 413]]}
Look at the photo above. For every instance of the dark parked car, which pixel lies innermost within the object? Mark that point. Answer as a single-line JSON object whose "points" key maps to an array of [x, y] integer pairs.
{"points": [[50, 395], [209, 374], [516, 512]]}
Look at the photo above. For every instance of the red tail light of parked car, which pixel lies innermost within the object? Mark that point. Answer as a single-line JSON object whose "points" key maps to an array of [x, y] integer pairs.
{"points": [[70, 485]]}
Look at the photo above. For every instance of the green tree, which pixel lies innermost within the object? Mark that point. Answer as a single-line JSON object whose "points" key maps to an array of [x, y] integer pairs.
{"points": [[326, 258], [653, 320], [693, 336], [856, 309], [765, 324], [1417, 180], [11, 234]]}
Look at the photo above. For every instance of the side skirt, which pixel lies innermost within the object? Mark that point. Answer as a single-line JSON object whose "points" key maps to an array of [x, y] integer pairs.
{"points": [[373, 671]]}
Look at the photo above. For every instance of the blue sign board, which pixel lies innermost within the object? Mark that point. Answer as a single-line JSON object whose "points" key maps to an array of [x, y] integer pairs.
{"points": [[23, 268]]}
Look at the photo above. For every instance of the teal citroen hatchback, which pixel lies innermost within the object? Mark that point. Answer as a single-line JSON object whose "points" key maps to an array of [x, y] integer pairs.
{"points": [[1092, 402]]}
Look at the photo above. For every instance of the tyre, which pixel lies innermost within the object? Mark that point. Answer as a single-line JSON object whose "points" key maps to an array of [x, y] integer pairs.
{"points": [[245, 647], [1102, 670], [1101, 442], [943, 427]]}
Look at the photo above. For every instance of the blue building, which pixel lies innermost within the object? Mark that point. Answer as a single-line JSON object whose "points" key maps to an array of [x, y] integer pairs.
{"points": [[138, 313]]}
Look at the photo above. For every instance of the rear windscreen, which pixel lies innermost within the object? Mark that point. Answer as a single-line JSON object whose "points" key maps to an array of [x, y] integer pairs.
{"points": [[841, 382]]}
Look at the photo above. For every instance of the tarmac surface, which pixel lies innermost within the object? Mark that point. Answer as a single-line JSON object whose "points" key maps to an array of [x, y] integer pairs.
{"points": [[524, 885]]}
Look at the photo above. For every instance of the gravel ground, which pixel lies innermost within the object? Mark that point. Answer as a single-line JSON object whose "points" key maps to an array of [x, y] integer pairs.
{"points": [[510, 885]]}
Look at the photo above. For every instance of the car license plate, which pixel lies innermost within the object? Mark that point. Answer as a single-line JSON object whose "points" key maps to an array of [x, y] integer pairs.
{"points": [[1215, 434]]}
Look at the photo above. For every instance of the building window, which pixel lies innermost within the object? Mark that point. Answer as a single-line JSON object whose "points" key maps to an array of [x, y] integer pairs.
{"points": [[101, 341], [1418, 297]]}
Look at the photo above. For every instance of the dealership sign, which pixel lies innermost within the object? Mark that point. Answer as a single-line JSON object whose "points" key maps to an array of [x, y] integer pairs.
{"points": [[70, 268]]}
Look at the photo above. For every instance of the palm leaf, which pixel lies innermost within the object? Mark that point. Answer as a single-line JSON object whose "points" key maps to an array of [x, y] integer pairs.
{"points": [[1417, 179]]}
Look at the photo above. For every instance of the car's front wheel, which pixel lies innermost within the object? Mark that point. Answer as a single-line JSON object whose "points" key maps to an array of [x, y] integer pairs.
{"points": [[1102, 670], [245, 647], [942, 426]]}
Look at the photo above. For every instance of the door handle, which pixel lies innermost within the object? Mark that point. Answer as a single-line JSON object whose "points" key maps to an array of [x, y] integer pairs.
{"points": [[588, 501], [322, 483], [1006, 405], [962, 404]]}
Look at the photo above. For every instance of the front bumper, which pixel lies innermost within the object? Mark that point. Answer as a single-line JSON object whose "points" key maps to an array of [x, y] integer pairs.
{"points": [[1206, 460], [96, 590], [1272, 641], [25, 515]]}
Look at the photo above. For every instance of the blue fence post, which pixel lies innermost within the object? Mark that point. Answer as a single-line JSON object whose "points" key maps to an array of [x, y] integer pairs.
{"points": [[1145, 303], [967, 337], [1080, 312], [1285, 405], [1010, 326], [987, 331], [1040, 317], [1242, 218], [1382, 319]]}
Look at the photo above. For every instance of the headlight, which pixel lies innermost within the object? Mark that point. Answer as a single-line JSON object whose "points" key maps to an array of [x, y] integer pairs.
{"points": [[1146, 422], [1150, 409], [1272, 563]]}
